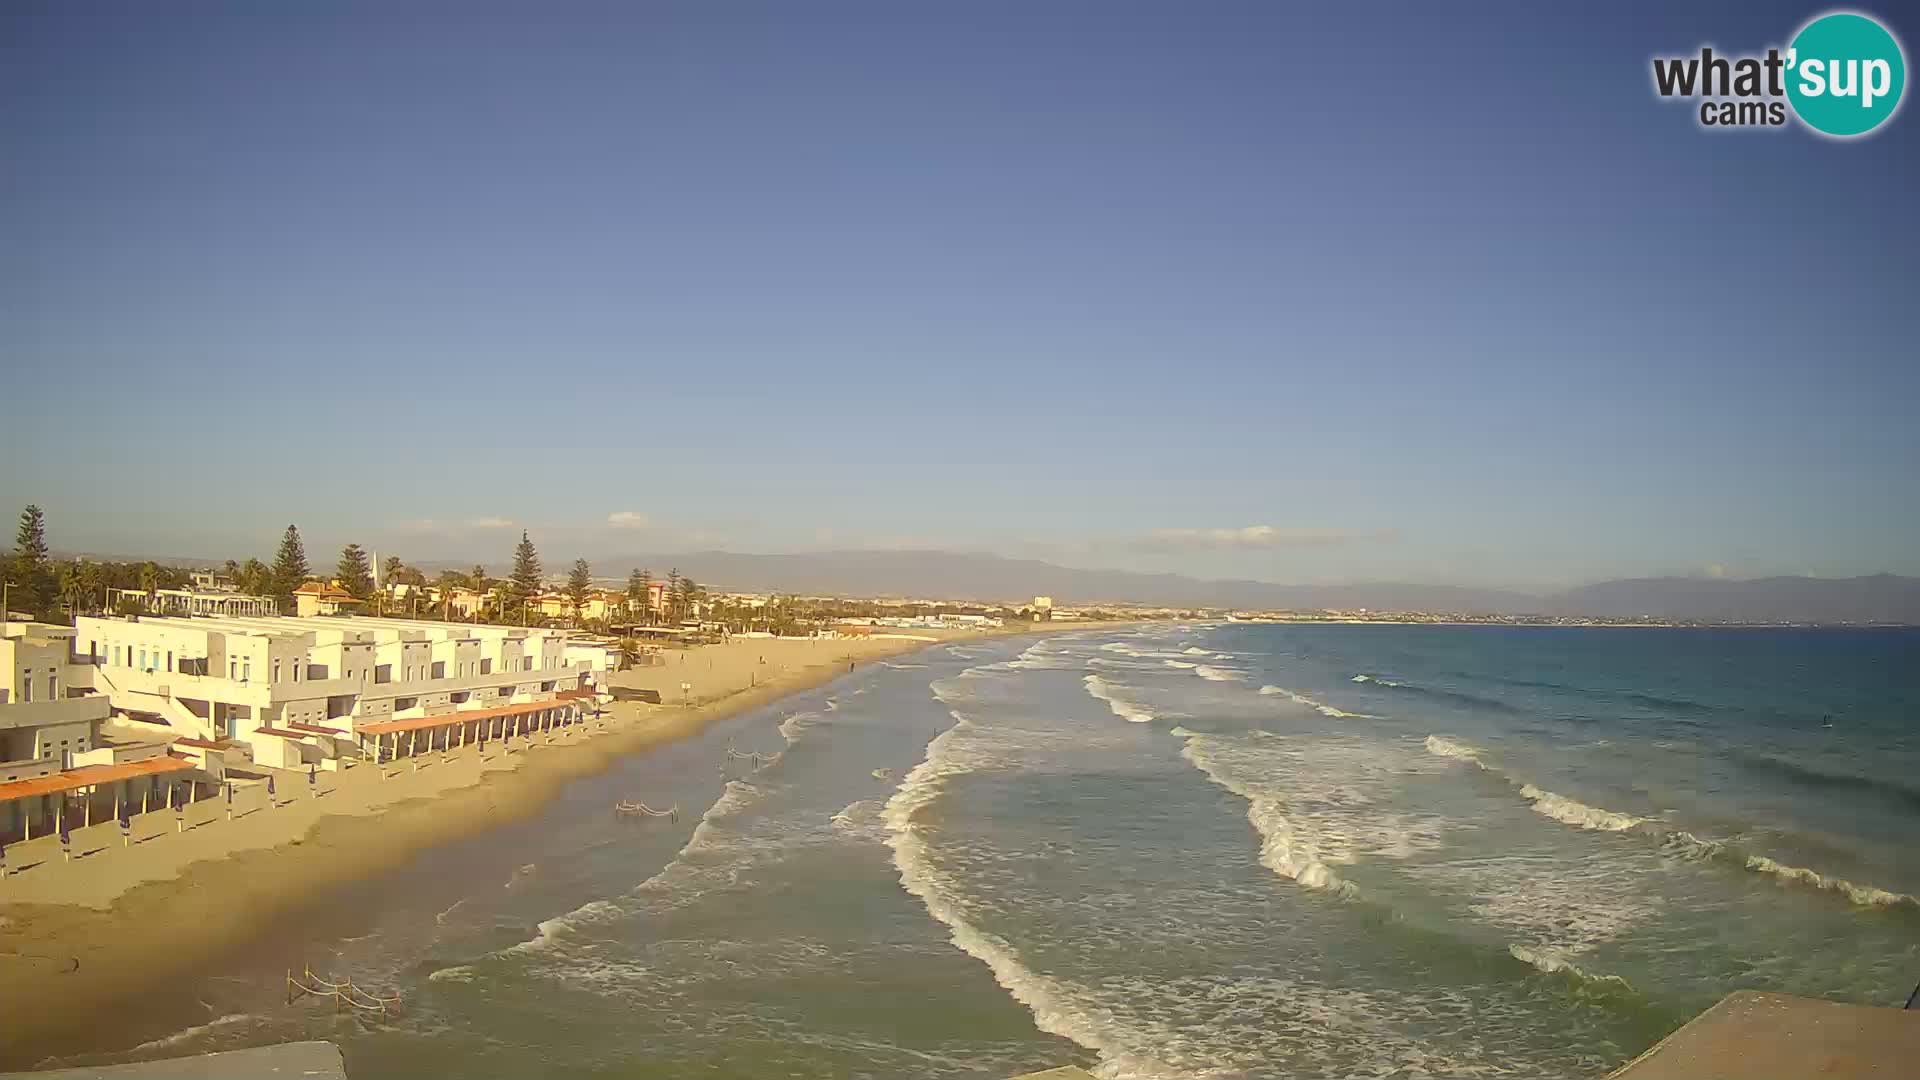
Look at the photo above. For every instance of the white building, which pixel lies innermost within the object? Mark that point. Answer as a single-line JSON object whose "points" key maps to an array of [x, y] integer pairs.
{"points": [[55, 769], [303, 691], [194, 602], [45, 716]]}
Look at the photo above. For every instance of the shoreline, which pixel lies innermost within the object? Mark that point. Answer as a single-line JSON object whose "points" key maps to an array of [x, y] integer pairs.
{"points": [[67, 962]]}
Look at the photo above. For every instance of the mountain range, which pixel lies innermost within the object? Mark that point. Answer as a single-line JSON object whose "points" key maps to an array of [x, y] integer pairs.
{"points": [[1884, 598], [1877, 598]]}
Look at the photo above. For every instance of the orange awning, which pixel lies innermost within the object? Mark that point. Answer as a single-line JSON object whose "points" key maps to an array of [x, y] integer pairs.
{"points": [[389, 727], [92, 776]]}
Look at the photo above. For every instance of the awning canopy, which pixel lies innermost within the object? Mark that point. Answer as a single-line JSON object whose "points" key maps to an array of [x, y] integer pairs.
{"points": [[390, 727], [93, 776]]}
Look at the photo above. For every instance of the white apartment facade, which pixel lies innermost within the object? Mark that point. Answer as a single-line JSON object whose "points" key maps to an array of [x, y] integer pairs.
{"points": [[274, 682], [46, 718]]}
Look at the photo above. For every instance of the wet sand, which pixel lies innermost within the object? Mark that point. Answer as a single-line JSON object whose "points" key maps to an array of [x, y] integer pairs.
{"points": [[79, 937]]}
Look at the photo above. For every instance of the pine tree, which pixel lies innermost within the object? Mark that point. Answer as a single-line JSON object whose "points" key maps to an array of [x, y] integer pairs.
{"points": [[32, 577], [525, 579], [355, 572], [579, 583], [289, 567], [672, 596]]}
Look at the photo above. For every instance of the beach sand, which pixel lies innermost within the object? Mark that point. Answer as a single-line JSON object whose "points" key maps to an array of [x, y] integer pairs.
{"points": [[117, 921]]}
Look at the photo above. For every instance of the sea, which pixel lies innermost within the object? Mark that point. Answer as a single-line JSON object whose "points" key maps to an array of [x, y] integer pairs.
{"points": [[1195, 851]]}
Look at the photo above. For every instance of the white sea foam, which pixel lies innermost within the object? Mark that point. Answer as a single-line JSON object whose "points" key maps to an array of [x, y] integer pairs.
{"points": [[457, 973], [1122, 708], [1047, 998], [799, 723], [1445, 747], [1573, 812], [1180, 732], [1551, 960], [1041, 656], [1181, 664], [1863, 895], [1322, 708], [189, 1034], [1195, 651], [1215, 674], [1374, 679], [1282, 848]]}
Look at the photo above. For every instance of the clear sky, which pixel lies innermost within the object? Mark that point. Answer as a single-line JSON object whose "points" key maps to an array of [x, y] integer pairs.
{"points": [[1265, 290]]}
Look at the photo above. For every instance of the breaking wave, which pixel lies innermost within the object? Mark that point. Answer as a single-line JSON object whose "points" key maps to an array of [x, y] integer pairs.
{"points": [[1322, 708], [1214, 674], [1680, 841], [1284, 849], [1125, 710]]}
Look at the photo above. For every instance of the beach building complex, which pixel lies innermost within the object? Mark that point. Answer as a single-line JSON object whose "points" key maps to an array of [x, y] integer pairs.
{"points": [[51, 750], [317, 690]]}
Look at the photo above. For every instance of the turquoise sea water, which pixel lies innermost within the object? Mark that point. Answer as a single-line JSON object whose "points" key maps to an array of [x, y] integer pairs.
{"points": [[1230, 851]]}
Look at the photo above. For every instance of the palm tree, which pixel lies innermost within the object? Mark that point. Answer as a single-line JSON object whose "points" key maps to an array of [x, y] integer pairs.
{"points": [[70, 587], [149, 578], [91, 583]]}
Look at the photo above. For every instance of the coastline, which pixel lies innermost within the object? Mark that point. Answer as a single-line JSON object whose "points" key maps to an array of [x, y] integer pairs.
{"points": [[84, 936]]}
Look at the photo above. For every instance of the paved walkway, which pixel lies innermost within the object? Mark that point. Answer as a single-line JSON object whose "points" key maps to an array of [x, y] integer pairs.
{"points": [[1751, 1034]]}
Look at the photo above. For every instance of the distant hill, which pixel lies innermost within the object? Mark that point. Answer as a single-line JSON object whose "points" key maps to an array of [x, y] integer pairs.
{"points": [[1883, 598], [1879, 598], [958, 575]]}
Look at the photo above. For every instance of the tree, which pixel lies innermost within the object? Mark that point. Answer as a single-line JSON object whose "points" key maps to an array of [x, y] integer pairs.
{"points": [[149, 578], [525, 578], [672, 596], [579, 583], [254, 578], [289, 567], [31, 576], [71, 587], [92, 582], [391, 569], [355, 572], [639, 588]]}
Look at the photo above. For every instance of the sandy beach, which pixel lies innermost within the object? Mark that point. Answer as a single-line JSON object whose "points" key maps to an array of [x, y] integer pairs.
{"points": [[123, 915]]}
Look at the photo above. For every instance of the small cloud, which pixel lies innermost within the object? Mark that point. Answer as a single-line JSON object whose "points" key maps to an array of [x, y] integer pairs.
{"points": [[419, 525], [1256, 536], [627, 519], [490, 523]]}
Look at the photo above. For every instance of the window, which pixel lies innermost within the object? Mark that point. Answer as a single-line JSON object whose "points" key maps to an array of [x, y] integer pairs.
{"points": [[486, 667], [276, 669], [169, 659], [26, 688], [246, 670], [383, 673], [439, 669], [53, 686], [143, 659], [233, 668]]}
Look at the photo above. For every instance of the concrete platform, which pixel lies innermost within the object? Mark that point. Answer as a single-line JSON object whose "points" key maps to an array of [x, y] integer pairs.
{"points": [[1751, 1034], [305, 1060]]}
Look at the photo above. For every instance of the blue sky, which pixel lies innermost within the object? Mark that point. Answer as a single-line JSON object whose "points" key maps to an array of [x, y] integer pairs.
{"points": [[1254, 290]]}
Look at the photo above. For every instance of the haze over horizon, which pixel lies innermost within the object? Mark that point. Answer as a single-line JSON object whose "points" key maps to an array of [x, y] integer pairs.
{"points": [[1294, 297]]}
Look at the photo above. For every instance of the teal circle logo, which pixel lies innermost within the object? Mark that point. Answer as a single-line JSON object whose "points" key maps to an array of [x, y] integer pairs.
{"points": [[1845, 74]]}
